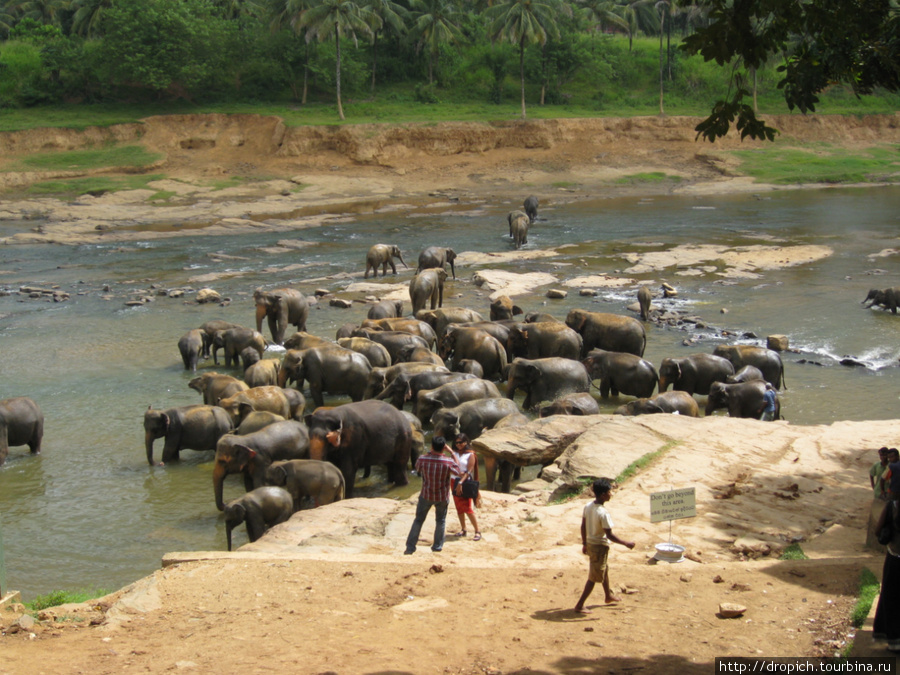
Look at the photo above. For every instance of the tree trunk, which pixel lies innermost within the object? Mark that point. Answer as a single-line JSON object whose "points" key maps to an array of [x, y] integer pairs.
{"points": [[662, 68], [305, 75], [543, 73], [755, 107], [337, 81], [522, 72], [374, 59]]}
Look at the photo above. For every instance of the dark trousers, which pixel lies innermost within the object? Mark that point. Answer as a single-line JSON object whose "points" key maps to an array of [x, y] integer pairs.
{"points": [[887, 614], [440, 521]]}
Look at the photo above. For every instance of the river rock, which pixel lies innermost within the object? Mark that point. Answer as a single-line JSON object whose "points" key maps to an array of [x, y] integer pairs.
{"points": [[340, 303], [205, 295], [777, 343], [730, 610], [599, 281], [557, 294], [501, 282], [539, 442]]}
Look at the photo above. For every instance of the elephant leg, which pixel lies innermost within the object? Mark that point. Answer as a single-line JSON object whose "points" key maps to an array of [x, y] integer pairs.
{"points": [[506, 471], [315, 391], [604, 389], [393, 268], [248, 481], [397, 472], [367, 471], [35, 443], [256, 526], [490, 471]]}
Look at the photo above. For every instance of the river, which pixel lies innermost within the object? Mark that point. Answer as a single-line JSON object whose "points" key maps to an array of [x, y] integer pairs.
{"points": [[90, 513]]}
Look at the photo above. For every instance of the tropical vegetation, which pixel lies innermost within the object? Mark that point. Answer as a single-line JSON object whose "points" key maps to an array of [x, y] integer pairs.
{"points": [[589, 55]]}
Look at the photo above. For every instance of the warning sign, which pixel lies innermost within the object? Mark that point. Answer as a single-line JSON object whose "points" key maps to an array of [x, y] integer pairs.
{"points": [[673, 505]]}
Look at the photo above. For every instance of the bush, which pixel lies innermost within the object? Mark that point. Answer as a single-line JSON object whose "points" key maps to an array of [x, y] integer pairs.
{"points": [[426, 93]]}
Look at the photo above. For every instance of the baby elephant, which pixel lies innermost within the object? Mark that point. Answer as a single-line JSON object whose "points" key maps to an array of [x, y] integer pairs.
{"points": [[302, 478], [260, 509]]}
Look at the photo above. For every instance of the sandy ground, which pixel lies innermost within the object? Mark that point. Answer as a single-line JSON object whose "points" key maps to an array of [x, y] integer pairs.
{"points": [[332, 592]]}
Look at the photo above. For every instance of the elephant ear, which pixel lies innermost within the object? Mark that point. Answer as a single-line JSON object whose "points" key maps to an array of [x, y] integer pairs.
{"points": [[334, 436], [532, 371], [244, 454], [517, 310]]}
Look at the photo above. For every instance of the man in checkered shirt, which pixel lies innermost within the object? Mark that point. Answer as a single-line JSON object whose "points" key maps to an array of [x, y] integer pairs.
{"points": [[435, 469]]}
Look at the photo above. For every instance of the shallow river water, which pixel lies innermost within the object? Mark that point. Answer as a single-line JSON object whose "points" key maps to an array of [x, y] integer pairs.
{"points": [[90, 512]]}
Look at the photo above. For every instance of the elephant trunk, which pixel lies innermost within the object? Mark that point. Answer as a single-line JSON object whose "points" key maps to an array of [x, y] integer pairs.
{"points": [[228, 528], [317, 448], [663, 383], [282, 377], [453, 270], [400, 258], [218, 481], [148, 441], [260, 315]]}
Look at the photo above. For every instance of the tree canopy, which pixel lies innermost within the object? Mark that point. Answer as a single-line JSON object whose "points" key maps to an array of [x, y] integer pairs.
{"points": [[821, 42]]}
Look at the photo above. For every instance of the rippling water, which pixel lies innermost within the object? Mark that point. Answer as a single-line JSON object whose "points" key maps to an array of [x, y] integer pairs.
{"points": [[89, 512]]}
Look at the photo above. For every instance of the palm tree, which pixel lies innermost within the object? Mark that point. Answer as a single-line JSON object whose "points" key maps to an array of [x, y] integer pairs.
{"points": [[338, 18], [392, 15], [88, 15], [287, 13], [523, 22], [663, 7], [46, 12], [604, 12], [434, 22], [639, 15]]}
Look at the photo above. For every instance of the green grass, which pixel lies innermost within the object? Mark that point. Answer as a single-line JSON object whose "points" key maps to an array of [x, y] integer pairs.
{"points": [[91, 185], [868, 591], [64, 597], [95, 158], [162, 196], [821, 164], [644, 461], [646, 177], [793, 552]]}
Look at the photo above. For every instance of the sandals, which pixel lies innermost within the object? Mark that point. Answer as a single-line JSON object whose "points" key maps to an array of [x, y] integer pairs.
{"points": [[460, 534], [477, 537]]}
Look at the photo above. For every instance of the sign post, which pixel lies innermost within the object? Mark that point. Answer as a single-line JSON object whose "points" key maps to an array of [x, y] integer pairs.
{"points": [[673, 505]]}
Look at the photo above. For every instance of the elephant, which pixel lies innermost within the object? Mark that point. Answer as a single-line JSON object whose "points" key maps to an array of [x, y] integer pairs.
{"points": [[621, 373], [251, 455], [435, 256], [248, 357], [262, 373], [645, 297], [478, 345], [889, 298], [745, 374], [383, 255], [379, 378], [427, 285], [271, 398], [376, 354], [694, 373], [470, 366], [531, 207], [543, 340], [21, 423], [497, 329], [472, 417], [303, 340], [503, 309], [512, 216], [581, 403], [361, 434], [413, 353], [767, 360], [297, 402], [742, 399], [519, 230], [189, 427], [234, 340], [540, 317], [451, 394], [611, 332], [331, 370], [546, 379], [344, 331], [281, 307], [386, 309], [679, 402], [213, 386], [307, 478], [406, 386], [439, 319], [417, 449], [256, 420], [190, 345], [210, 328], [260, 509], [392, 340], [401, 325]]}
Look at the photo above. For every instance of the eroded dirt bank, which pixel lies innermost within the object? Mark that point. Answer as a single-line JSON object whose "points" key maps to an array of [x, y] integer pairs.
{"points": [[330, 169]]}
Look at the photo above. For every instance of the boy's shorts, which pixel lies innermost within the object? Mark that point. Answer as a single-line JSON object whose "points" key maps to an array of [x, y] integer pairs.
{"points": [[598, 555]]}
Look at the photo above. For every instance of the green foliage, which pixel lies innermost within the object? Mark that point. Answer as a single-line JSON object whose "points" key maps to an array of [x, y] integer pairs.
{"points": [[793, 552], [173, 47], [111, 156], [647, 177], [21, 70], [33, 31], [821, 164], [868, 591], [57, 598], [426, 93]]}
